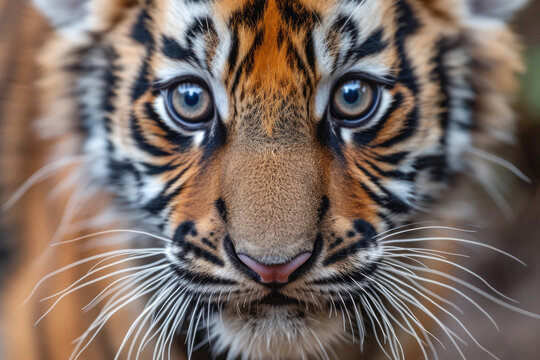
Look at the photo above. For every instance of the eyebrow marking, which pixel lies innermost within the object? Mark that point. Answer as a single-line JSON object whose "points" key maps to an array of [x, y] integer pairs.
{"points": [[173, 50]]}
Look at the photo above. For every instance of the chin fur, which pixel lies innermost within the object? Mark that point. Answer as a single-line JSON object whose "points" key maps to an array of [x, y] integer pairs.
{"points": [[272, 333]]}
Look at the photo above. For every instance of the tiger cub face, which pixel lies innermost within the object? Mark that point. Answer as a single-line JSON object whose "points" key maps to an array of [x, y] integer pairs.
{"points": [[274, 141]]}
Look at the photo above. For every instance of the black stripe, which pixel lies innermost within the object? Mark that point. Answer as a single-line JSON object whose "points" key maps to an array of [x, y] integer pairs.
{"points": [[368, 233], [142, 84], [233, 51], [152, 169], [250, 15], [141, 141], [365, 137], [173, 50], [323, 208], [388, 200], [330, 139], [140, 32], [208, 243], [160, 202], [343, 25], [181, 142], [222, 210], [345, 30], [200, 253], [407, 20], [246, 65], [408, 25], [295, 14], [393, 159], [295, 60], [409, 127], [394, 174], [310, 51], [213, 140], [179, 239], [336, 243], [374, 44]]}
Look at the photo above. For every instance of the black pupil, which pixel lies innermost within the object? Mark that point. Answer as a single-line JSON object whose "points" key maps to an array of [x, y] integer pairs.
{"points": [[192, 97], [351, 93]]}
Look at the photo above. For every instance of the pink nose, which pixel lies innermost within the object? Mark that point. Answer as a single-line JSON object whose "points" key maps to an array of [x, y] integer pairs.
{"points": [[275, 273]]}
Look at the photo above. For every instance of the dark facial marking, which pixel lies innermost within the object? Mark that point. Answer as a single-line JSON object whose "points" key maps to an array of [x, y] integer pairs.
{"points": [[222, 210], [368, 233], [323, 208]]}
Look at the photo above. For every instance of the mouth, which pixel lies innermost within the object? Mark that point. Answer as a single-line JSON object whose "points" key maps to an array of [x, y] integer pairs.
{"points": [[276, 298]]}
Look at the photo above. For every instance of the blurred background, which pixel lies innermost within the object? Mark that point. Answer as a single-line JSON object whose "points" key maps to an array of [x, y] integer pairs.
{"points": [[22, 32]]}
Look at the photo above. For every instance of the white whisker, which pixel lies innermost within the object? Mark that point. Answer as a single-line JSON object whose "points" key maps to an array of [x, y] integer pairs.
{"points": [[139, 232], [459, 240], [84, 261], [470, 272], [501, 162], [40, 175]]}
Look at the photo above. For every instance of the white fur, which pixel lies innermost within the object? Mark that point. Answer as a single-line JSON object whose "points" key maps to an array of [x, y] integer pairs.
{"points": [[278, 335]]}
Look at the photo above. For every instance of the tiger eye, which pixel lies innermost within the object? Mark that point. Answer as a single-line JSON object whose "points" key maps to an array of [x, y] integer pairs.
{"points": [[190, 104], [354, 101]]}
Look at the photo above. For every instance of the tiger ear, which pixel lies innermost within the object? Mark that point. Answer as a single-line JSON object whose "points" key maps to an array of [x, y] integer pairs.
{"points": [[495, 9]]}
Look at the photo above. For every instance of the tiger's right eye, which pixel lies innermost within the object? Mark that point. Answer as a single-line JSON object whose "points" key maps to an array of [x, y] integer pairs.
{"points": [[190, 104], [354, 101]]}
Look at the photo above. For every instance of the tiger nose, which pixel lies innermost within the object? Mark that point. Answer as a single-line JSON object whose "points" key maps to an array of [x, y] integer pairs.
{"points": [[279, 273]]}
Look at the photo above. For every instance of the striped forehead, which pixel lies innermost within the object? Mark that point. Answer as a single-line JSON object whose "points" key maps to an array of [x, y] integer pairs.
{"points": [[221, 34]]}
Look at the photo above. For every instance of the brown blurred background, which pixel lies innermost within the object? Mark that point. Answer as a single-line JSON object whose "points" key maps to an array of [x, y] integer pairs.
{"points": [[21, 34]]}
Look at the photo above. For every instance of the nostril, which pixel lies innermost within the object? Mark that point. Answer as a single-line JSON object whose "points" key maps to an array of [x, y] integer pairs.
{"points": [[275, 273]]}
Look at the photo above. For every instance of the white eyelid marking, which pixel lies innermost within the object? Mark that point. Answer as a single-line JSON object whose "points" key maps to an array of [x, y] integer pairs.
{"points": [[322, 98]]}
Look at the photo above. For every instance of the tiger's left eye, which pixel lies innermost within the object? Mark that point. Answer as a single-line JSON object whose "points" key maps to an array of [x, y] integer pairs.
{"points": [[190, 104], [354, 101]]}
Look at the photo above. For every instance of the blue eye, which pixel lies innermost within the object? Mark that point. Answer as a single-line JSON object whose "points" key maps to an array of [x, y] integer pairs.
{"points": [[354, 101], [190, 104]]}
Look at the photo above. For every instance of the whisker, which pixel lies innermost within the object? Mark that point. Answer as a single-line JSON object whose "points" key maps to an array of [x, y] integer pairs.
{"points": [[40, 175], [470, 272], [84, 261], [449, 287], [406, 296], [459, 240], [426, 290], [138, 232], [369, 313], [106, 313], [64, 294], [469, 334], [150, 307], [498, 198], [475, 289], [501, 162], [433, 227], [90, 273]]}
